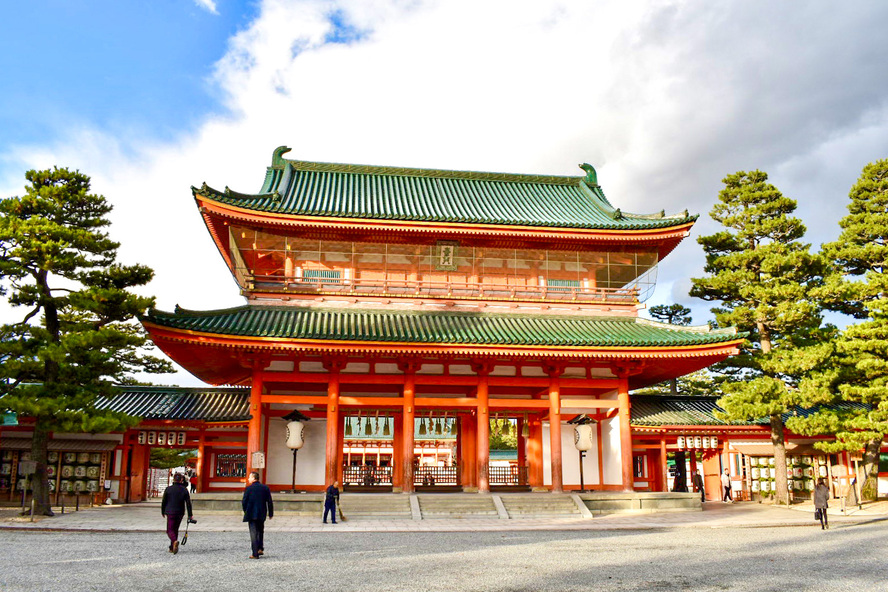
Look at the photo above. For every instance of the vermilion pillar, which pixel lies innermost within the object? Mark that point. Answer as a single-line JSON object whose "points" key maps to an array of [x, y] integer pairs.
{"points": [[254, 434], [333, 446], [555, 433], [468, 455], [201, 464], [483, 439], [625, 433], [535, 452], [664, 469], [409, 431]]}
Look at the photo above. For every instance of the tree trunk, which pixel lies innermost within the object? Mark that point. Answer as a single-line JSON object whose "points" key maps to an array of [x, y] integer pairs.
{"points": [[673, 386], [781, 496], [870, 488], [40, 479]]}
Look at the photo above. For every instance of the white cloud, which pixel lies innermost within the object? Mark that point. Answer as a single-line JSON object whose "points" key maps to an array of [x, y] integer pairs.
{"points": [[208, 5], [664, 98]]}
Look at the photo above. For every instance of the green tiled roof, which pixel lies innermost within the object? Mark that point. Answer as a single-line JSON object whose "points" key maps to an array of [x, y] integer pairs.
{"points": [[178, 403], [287, 322], [659, 410], [302, 188]]}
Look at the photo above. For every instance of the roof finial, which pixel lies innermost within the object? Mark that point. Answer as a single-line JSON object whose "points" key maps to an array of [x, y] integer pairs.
{"points": [[277, 159], [591, 176]]}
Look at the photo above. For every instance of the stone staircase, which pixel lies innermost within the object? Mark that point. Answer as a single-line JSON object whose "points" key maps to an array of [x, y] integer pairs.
{"points": [[370, 505], [457, 505], [540, 506]]}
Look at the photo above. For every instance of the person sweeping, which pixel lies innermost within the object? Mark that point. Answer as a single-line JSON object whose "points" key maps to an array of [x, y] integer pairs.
{"points": [[331, 500]]}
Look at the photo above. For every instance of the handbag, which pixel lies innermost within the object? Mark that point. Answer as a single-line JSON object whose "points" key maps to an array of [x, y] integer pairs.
{"points": [[817, 514]]}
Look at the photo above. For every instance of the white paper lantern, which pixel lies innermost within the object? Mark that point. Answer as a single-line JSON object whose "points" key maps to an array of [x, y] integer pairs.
{"points": [[583, 437], [295, 436], [171, 438], [713, 441], [143, 437], [698, 442], [152, 438], [705, 441], [161, 438], [680, 441], [180, 438]]}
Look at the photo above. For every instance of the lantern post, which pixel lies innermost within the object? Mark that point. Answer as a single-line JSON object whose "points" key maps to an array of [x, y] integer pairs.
{"points": [[582, 441], [295, 437]]}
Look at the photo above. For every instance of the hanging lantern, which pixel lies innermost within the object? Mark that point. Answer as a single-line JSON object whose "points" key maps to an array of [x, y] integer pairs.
{"points": [[705, 441], [438, 429], [583, 437], [713, 441], [385, 427], [680, 442], [161, 438], [525, 429], [698, 442], [348, 426], [295, 435], [368, 429], [453, 426], [143, 437], [422, 428], [507, 426], [376, 424]]}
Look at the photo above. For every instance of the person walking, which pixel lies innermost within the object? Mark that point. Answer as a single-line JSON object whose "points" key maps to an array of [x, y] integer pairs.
{"points": [[257, 504], [726, 484], [193, 482], [330, 501], [821, 503], [175, 502], [698, 485]]}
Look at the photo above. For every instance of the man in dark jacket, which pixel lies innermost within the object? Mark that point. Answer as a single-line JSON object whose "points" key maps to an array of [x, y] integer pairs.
{"points": [[173, 505], [330, 501], [257, 505]]}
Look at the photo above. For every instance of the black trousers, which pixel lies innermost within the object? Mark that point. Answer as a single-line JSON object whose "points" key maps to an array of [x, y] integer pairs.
{"points": [[330, 507], [257, 536], [727, 495], [824, 522]]}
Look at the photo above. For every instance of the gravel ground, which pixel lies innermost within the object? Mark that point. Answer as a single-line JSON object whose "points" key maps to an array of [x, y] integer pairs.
{"points": [[848, 557]]}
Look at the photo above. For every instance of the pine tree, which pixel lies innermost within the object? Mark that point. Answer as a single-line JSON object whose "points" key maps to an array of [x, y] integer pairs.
{"points": [[77, 336], [674, 314], [858, 369], [762, 275]]}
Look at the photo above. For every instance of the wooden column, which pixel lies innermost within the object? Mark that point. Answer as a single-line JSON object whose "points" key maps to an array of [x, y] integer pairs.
{"points": [[468, 455], [522, 441], [397, 453], [483, 438], [334, 450], [535, 452], [254, 435], [409, 428], [555, 430], [201, 463], [625, 433], [664, 467]]}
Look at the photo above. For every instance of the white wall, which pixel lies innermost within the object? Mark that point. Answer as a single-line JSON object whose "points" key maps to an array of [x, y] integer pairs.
{"points": [[570, 457], [310, 462]]}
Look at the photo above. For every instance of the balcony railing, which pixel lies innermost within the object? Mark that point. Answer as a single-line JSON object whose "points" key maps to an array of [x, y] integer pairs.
{"points": [[439, 289]]}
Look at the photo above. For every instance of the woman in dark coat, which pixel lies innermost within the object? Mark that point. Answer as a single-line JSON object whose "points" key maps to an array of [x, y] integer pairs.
{"points": [[821, 502]]}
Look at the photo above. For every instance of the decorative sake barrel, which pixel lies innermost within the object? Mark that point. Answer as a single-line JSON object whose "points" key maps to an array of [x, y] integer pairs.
{"points": [[809, 485], [755, 473], [772, 472], [766, 486], [583, 437], [756, 487], [771, 461], [295, 435], [822, 471]]}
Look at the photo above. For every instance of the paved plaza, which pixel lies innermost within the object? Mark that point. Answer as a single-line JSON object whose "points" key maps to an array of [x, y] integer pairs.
{"points": [[745, 546]]}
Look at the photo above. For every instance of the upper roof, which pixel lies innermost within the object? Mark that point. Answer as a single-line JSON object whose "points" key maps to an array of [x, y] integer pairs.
{"points": [[438, 327], [312, 189]]}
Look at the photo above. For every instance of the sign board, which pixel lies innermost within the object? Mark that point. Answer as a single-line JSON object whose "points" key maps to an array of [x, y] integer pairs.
{"points": [[9, 419], [27, 467], [258, 460]]}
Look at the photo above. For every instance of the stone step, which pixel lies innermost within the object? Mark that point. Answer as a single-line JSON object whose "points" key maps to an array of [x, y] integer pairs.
{"points": [[379, 506], [540, 506], [457, 506]]}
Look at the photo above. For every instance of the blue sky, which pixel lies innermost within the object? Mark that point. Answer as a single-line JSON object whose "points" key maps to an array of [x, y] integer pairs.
{"points": [[663, 97], [112, 65]]}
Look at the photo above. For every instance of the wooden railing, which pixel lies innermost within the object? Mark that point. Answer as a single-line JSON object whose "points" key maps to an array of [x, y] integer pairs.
{"points": [[439, 289], [511, 475], [437, 476], [366, 475]]}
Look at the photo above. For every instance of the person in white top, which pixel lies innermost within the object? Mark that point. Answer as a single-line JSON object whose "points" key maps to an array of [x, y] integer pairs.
{"points": [[726, 483]]}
